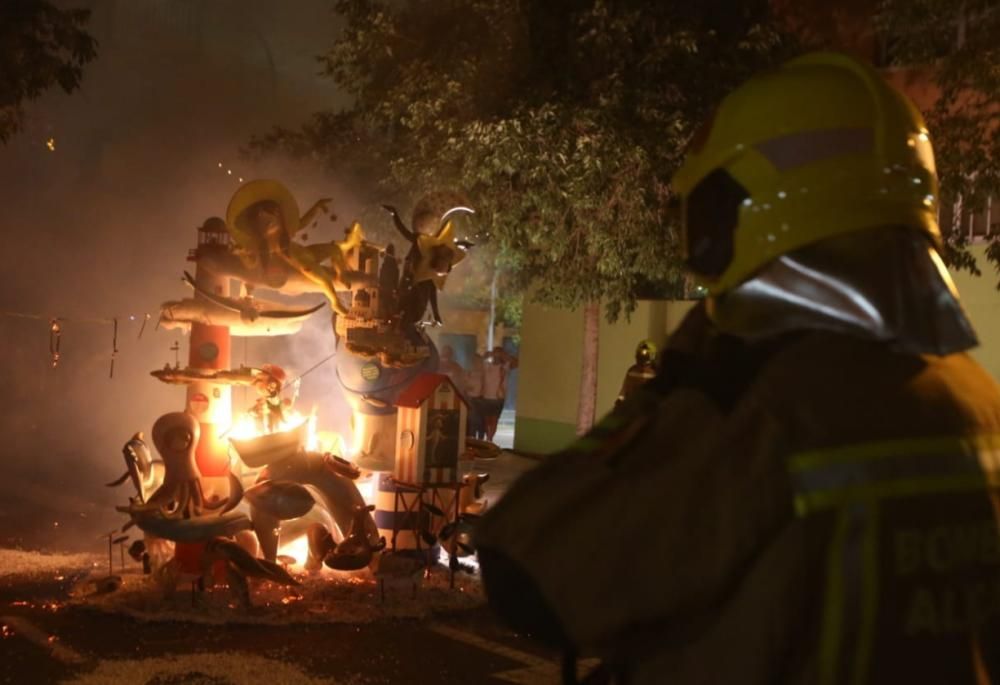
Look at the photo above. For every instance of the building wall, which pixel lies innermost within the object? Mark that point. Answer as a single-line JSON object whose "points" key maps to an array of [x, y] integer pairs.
{"points": [[551, 359], [982, 303], [551, 342], [475, 322]]}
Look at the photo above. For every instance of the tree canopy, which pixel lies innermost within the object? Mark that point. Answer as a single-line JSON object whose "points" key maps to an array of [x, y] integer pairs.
{"points": [[955, 45], [561, 120], [40, 46]]}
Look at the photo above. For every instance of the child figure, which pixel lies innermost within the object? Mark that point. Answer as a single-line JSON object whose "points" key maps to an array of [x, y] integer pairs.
{"points": [[270, 406]]}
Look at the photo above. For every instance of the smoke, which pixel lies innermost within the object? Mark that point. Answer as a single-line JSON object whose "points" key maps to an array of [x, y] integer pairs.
{"points": [[100, 227]]}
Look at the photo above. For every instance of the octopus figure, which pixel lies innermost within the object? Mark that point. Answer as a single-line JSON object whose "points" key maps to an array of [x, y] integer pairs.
{"points": [[175, 436]]}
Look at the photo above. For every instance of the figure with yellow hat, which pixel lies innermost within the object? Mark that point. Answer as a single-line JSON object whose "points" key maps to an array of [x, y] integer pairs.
{"points": [[805, 493], [263, 218]]}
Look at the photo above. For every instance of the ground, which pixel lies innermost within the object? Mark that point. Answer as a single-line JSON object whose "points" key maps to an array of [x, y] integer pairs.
{"points": [[334, 629]]}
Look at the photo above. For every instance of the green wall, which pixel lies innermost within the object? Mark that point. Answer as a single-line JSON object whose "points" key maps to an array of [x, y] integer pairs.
{"points": [[551, 341], [981, 300], [551, 359]]}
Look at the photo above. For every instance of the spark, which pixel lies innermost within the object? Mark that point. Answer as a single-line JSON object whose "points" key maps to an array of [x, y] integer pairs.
{"points": [[51, 144]]}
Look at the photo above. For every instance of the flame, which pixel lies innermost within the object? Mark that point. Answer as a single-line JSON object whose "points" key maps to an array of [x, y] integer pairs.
{"points": [[367, 485], [296, 548], [246, 427]]}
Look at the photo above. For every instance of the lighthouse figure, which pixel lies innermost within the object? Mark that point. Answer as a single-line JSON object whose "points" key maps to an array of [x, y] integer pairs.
{"points": [[209, 350]]}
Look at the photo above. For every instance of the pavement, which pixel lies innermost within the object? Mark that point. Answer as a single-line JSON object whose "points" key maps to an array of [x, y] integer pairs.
{"points": [[45, 637], [504, 437]]}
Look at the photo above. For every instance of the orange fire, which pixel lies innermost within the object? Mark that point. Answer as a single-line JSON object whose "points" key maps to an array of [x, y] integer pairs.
{"points": [[247, 427]]}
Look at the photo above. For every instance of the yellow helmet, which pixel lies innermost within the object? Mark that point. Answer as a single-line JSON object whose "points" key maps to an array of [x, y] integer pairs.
{"points": [[645, 352], [818, 147]]}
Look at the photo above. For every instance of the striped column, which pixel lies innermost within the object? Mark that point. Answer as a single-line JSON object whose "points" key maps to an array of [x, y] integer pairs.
{"points": [[211, 403]]}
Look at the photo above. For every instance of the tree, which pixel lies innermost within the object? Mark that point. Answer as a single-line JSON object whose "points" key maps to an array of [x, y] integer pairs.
{"points": [[40, 46], [954, 45], [562, 120]]}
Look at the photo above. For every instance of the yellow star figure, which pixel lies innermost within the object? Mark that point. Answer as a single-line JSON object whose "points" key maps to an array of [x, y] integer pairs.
{"points": [[438, 254], [352, 241]]}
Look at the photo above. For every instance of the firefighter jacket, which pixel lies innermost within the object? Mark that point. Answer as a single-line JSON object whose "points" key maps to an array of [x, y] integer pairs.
{"points": [[636, 375], [811, 509]]}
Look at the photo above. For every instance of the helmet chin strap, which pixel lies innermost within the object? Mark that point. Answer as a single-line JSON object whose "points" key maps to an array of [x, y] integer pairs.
{"points": [[885, 284]]}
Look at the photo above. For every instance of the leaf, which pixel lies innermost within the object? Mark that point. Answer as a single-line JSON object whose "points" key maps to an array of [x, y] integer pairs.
{"points": [[544, 115]]}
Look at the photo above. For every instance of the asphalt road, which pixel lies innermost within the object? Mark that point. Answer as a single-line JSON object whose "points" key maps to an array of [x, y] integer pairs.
{"points": [[45, 644]]}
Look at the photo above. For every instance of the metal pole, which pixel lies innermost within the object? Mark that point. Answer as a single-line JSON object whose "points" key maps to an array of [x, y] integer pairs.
{"points": [[493, 310]]}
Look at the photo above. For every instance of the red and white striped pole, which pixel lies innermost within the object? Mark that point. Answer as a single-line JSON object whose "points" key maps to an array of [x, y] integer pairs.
{"points": [[211, 403]]}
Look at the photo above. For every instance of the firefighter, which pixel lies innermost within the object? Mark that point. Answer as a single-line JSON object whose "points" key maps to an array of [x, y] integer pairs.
{"points": [[642, 371], [804, 494]]}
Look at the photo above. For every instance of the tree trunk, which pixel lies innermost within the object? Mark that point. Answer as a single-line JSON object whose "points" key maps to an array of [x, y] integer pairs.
{"points": [[587, 404]]}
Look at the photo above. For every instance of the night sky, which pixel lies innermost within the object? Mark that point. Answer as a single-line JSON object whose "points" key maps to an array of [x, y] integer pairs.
{"points": [[100, 227]]}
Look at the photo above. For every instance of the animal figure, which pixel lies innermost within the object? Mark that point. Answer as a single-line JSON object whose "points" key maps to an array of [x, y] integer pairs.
{"points": [[138, 466], [282, 499], [427, 264], [227, 562], [355, 551], [175, 436]]}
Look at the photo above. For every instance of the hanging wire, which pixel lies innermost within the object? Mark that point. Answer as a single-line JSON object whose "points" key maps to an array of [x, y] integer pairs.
{"points": [[114, 345], [55, 338], [145, 320], [56, 323], [44, 317]]}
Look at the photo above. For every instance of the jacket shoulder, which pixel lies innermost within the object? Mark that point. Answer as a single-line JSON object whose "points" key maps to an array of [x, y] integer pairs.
{"points": [[831, 389]]}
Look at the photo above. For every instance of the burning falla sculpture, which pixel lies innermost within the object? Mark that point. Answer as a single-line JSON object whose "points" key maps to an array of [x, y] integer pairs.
{"points": [[210, 505]]}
